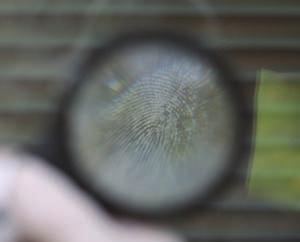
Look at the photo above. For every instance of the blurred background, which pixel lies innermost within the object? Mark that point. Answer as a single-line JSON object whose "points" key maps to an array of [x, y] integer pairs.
{"points": [[41, 41]]}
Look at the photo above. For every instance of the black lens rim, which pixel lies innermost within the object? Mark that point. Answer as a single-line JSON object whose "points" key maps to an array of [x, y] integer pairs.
{"points": [[64, 158]]}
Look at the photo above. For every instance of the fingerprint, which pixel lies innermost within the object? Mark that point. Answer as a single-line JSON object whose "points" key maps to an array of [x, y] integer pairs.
{"points": [[151, 125], [156, 113]]}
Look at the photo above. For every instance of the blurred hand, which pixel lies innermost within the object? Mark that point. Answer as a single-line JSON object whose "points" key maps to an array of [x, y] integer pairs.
{"points": [[43, 205]]}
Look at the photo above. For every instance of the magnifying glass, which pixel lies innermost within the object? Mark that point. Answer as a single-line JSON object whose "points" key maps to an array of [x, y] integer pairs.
{"points": [[153, 125]]}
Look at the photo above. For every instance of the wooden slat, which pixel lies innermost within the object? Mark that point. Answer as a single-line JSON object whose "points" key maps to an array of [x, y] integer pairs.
{"points": [[23, 127], [180, 8], [63, 27], [49, 44]]}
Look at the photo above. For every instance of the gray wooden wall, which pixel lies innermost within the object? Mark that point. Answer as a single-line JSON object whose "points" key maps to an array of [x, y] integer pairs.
{"points": [[40, 39]]}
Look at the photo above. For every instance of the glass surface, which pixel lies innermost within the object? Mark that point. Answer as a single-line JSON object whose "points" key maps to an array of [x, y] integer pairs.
{"points": [[152, 126]]}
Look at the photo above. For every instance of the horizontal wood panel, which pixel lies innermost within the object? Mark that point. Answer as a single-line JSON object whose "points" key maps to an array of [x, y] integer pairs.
{"points": [[242, 8], [47, 44], [24, 127], [62, 27]]}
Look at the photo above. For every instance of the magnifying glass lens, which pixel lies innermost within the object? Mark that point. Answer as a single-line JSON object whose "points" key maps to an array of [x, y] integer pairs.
{"points": [[152, 126]]}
